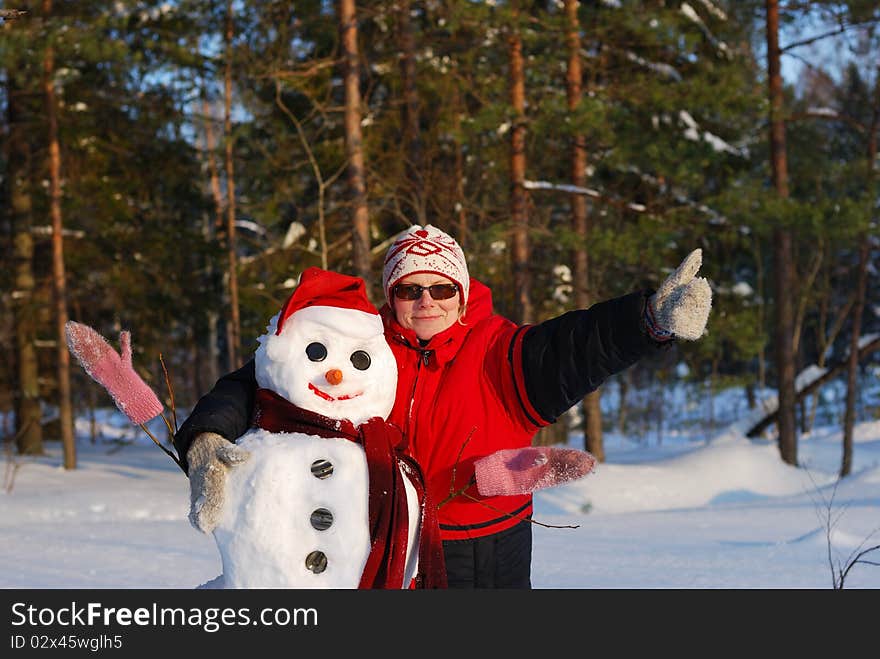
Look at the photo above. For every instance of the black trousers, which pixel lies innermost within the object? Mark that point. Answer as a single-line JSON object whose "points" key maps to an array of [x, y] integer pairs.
{"points": [[500, 560]]}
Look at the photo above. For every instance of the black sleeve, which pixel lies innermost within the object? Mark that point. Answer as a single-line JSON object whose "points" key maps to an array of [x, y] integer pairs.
{"points": [[567, 357], [226, 410]]}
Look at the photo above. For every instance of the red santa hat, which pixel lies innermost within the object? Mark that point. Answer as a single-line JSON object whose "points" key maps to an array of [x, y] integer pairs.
{"points": [[425, 250], [324, 288]]}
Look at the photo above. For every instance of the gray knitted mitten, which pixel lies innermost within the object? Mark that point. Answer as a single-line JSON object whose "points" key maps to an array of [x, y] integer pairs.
{"points": [[210, 457], [680, 307]]}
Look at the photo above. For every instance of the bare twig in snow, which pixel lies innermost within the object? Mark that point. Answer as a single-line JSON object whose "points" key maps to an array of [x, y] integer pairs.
{"points": [[829, 519], [13, 464]]}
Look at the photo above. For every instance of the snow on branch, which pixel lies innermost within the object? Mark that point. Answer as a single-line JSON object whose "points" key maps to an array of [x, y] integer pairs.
{"points": [[715, 217], [692, 15], [822, 112], [564, 187], [692, 132], [714, 9], [830, 114], [811, 378], [250, 225], [680, 197], [589, 192], [11, 14], [811, 375], [665, 70], [47, 231]]}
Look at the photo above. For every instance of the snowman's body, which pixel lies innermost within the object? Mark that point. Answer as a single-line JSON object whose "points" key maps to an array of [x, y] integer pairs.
{"points": [[296, 512], [274, 531]]}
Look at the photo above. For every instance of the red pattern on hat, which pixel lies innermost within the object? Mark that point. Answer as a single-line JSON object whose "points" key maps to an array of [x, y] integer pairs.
{"points": [[426, 250]]}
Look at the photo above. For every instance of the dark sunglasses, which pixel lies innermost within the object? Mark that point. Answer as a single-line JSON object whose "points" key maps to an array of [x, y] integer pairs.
{"points": [[414, 291]]}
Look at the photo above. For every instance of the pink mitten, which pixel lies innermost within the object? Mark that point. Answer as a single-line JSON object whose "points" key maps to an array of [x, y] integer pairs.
{"points": [[520, 471], [113, 372]]}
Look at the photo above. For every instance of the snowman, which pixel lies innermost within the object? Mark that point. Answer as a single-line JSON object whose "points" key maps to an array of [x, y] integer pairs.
{"points": [[328, 498]]}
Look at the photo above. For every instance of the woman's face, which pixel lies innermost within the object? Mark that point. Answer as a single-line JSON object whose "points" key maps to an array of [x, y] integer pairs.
{"points": [[425, 315]]}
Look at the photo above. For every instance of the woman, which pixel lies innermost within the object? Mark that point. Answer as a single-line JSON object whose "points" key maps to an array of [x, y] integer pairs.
{"points": [[470, 382]]}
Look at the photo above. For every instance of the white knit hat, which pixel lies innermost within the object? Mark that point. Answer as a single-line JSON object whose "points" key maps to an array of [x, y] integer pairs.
{"points": [[425, 249]]}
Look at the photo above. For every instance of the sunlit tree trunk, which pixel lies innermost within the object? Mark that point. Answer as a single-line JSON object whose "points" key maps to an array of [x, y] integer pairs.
{"points": [[59, 286], [460, 210], [523, 312], [413, 188], [782, 251], [354, 148], [234, 322], [580, 222]]}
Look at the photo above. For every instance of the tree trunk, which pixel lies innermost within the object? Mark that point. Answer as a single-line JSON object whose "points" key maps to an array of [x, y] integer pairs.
{"points": [[354, 148], [861, 289], [849, 418], [782, 251], [413, 188], [713, 380], [213, 343], [93, 421], [209, 343], [210, 146], [234, 325], [762, 357], [28, 415], [785, 371], [59, 286], [523, 311], [207, 338], [623, 383], [826, 337], [461, 213], [660, 397], [593, 441]]}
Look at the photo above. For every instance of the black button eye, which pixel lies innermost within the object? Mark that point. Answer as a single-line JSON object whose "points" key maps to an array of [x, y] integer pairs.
{"points": [[316, 352], [360, 360]]}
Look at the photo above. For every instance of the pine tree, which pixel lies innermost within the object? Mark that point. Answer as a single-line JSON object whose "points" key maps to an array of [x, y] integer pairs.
{"points": [[59, 282]]}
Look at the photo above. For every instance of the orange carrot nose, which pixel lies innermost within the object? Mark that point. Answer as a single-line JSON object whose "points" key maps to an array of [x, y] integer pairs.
{"points": [[333, 376]]}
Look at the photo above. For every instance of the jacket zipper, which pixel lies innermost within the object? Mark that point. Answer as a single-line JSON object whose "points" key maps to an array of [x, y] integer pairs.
{"points": [[412, 400], [423, 358]]}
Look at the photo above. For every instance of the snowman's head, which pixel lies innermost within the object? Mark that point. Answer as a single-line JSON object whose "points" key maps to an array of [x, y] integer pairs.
{"points": [[331, 360]]}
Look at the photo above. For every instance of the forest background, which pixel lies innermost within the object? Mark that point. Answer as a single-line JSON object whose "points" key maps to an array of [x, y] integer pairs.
{"points": [[170, 168]]}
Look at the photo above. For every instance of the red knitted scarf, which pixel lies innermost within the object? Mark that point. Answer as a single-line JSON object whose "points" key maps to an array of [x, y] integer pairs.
{"points": [[384, 446]]}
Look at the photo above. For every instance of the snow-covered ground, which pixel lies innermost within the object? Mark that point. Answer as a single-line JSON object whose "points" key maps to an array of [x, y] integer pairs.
{"points": [[690, 511]]}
